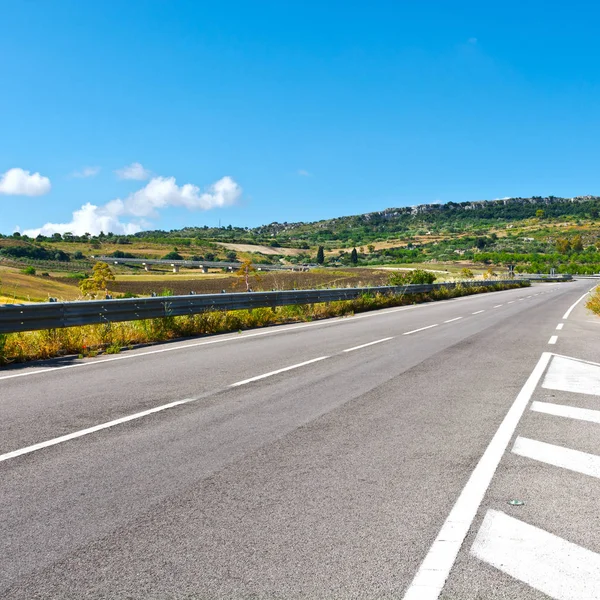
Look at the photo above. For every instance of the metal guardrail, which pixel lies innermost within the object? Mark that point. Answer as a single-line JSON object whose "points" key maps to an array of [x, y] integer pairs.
{"points": [[53, 315], [545, 277]]}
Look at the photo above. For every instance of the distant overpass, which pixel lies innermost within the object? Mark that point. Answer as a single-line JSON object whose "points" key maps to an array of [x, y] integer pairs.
{"points": [[203, 265]]}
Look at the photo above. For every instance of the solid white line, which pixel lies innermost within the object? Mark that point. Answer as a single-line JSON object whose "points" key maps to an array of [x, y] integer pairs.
{"points": [[271, 373], [554, 566], [569, 412], [558, 456], [451, 320], [369, 344], [566, 315], [553, 339], [478, 312], [420, 329], [270, 331], [560, 326], [498, 305], [433, 572], [82, 432]]}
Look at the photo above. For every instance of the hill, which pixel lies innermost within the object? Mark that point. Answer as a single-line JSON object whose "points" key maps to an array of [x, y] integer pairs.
{"points": [[534, 234]]}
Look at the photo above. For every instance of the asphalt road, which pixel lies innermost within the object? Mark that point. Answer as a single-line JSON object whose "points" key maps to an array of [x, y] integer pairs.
{"points": [[318, 460]]}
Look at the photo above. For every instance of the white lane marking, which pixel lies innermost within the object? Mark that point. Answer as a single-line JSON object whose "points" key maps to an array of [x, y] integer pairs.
{"points": [[435, 568], [82, 432], [544, 561], [529, 296], [560, 326], [521, 299], [498, 305], [558, 456], [478, 312], [452, 320], [334, 321], [511, 302], [572, 375], [369, 344], [569, 412], [271, 373], [553, 339], [270, 331], [566, 315], [420, 329]]}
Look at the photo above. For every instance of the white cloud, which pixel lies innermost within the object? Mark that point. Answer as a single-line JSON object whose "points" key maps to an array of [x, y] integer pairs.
{"points": [[160, 192], [86, 172], [304, 173], [134, 171], [17, 182]]}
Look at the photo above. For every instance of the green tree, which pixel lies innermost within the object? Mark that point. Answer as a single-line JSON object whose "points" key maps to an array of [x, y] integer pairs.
{"points": [[539, 213], [320, 255], [563, 246], [354, 256], [577, 244], [246, 271], [173, 255], [101, 275], [371, 248]]}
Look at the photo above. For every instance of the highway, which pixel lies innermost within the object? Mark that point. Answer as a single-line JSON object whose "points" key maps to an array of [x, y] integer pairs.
{"points": [[334, 459]]}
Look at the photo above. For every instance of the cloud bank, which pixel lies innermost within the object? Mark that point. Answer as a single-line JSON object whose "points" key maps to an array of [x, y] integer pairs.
{"points": [[134, 171], [17, 182], [86, 172], [131, 215]]}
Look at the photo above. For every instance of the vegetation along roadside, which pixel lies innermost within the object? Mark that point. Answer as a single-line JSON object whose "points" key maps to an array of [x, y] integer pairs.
{"points": [[111, 338]]}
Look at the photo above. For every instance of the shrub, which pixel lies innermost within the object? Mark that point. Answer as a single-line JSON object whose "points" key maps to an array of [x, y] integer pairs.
{"points": [[28, 271], [416, 276]]}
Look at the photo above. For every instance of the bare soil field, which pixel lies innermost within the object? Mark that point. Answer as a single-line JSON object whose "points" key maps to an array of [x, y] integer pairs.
{"points": [[262, 249], [266, 282]]}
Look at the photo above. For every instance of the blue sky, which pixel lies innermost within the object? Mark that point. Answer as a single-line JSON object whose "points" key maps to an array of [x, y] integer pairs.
{"points": [[253, 112]]}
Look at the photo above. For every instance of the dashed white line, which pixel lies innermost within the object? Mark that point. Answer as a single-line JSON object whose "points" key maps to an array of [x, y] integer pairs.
{"points": [[271, 373], [554, 566], [478, 312], [558, 456], [82, 432], [435, 568], [498, 305], [569, 412], [451, 320], [221, 340], [559, 326], [553, 339], [511, 302], [420, 329], [369, 344]]}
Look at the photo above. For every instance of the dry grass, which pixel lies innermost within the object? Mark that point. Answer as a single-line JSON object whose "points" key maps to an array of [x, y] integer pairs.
{"points": [[35, 288], [112, 337], [593, 303]]}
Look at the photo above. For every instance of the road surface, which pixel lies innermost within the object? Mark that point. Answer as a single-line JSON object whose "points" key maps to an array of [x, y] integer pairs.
{"points": [[445, 450]]}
